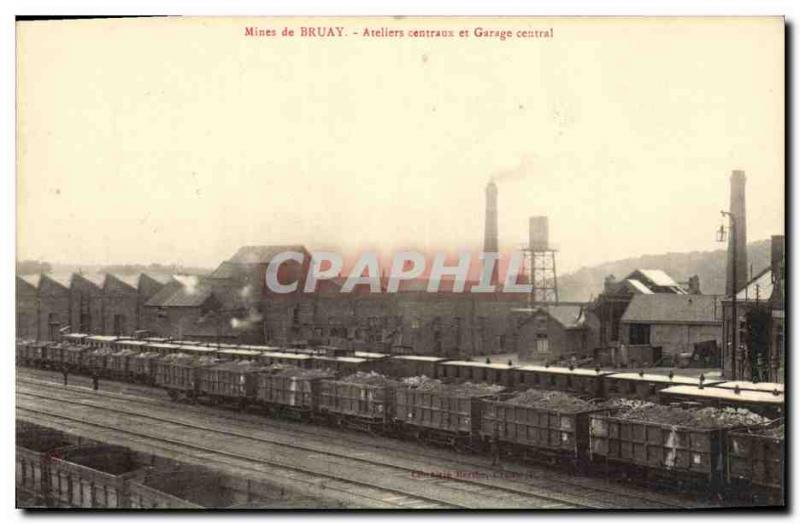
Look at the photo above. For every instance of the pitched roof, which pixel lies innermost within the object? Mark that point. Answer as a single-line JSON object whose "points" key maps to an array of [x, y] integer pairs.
{"points": [[161, 278], [638, 286], [568, 315], [131, 281], [666, 308], [226, 269], [62, 279], [760, 287], [263, 254], [658, 277], [187, 291], [32, 280], [96, 279]]}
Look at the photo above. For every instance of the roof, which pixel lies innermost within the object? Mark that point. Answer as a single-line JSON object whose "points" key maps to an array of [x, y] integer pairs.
{"points": [[279, 354], [161, 278], [759, 288], [131, 281], [652, 377], [185, 291], [262, 254], [638, 286], [369, 354], [752, 386], [564, 371], [666, 308], [33, 280], [98, 279], [472, 363], [62, 279], [419, 357], [760, 397], [658, 277], [226, 269]]}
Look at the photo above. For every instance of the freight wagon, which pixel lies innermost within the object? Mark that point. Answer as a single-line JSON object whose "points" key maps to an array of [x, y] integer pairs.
{"points": [[358, 405], [535, 433], [681, 454], [756, 462], [292, 392], [768, 404], [448, 415], [287, 359], [232, 381], [177, 373], [413, 366], [342, 366]]}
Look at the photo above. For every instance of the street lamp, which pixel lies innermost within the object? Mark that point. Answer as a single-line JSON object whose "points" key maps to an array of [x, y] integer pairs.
{"points": [[734, 290]]}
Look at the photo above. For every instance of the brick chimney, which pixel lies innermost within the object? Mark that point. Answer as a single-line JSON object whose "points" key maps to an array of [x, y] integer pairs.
{"points": [[777, 265], [490, 242], [737, 208], [694, 285]]}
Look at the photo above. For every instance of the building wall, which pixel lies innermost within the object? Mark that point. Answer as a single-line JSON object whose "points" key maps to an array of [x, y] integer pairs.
{"points": [[86, 300], [122, 301], [677, 338], [27, 310], [54, 309]]}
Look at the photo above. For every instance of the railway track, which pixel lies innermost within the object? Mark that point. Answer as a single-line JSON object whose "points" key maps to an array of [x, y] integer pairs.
{"points": [[400, 488], [549, 488]]}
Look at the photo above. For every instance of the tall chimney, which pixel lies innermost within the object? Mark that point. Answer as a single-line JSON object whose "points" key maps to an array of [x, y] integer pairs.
{"points": [[737, 208], [490, 231]]}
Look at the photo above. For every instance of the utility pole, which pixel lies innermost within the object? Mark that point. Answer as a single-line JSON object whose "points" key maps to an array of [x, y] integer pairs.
{"points": [[735, 335]]}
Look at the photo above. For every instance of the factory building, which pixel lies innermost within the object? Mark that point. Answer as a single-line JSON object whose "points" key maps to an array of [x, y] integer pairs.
{"points": [[760, 310]]}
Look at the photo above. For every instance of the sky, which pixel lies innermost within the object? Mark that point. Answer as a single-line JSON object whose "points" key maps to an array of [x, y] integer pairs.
{"points": [[180, 140]]}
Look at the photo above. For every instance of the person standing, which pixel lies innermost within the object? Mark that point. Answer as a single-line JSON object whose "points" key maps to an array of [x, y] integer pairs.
{"points": [[95, 381], [65, 372]]}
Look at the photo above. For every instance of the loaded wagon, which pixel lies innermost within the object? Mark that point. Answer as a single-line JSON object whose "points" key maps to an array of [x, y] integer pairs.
{"points": [[73, 357], [578, 381], [756, 462], [443, 414], [766, 403], [53, 356], [231, 381], [645, 386], [362, 401], [96, 361], [142, 367], [538, 425], [177, 373], [683, 446], [290, 391]]}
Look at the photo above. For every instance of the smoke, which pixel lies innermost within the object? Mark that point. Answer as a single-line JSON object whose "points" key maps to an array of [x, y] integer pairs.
{"points": [[253, 318], [523, 169], [189, 282]]}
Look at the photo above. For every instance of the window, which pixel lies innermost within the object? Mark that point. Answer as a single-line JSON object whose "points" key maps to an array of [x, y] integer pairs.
{"points": [[639, 334], [542, 345]]}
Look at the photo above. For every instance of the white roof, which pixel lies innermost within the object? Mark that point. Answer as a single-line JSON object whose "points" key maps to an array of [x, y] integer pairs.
{"points": [[653, 377], [419, 357], [279, 354], [472, 363], [368, 354], [104, 338], [233, 351], [752, 386], [761, 397], [639, 286], [135, 342], [658, 277], [564, 371]]}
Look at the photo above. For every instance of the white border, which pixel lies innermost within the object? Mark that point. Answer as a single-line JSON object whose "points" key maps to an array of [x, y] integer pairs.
{"points": [[11, 8]]}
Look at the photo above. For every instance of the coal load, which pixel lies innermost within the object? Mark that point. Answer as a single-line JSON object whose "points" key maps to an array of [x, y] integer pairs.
{"points": [[466, 389], [774, 432], [371, 378], [702, 418], [551, 401], [280, 370]]}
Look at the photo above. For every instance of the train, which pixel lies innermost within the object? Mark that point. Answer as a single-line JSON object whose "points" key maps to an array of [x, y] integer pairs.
{"points": [[262, 378]]}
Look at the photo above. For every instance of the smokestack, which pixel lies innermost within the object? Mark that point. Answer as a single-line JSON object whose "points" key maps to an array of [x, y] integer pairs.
{"points": [[737, 208], [490, 244], [538, 233], [777, 265]]}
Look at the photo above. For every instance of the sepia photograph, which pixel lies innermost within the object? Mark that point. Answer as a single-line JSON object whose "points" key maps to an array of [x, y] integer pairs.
{"points": [[400, 263]]}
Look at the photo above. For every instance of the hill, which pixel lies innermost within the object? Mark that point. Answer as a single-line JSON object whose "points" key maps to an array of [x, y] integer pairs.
{"points": [[587, 282]]}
